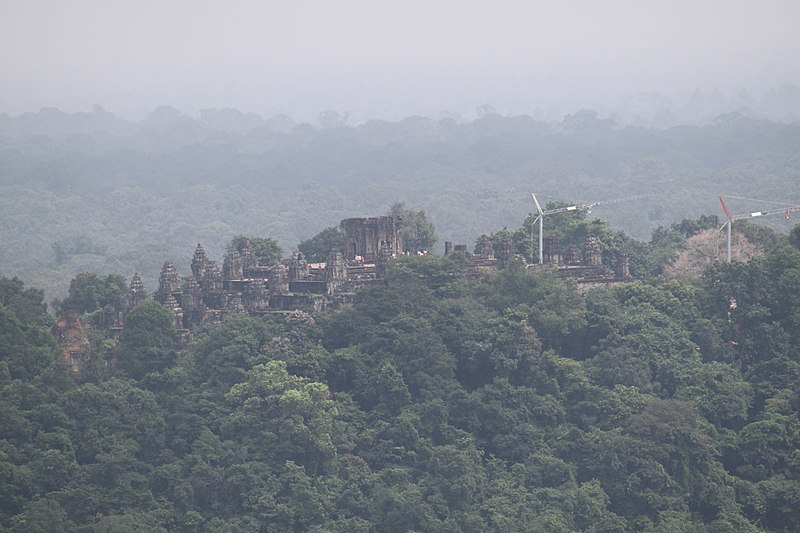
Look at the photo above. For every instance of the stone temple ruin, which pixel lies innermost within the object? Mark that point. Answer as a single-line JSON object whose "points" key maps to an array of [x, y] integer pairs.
{"points": [[368, 237], [586, 266], [243, 285]]}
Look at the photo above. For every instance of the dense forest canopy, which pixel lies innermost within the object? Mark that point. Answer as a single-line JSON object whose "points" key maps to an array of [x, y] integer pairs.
{"points": [[439, 267], [514, 402], [89, 192], [434, 402]]}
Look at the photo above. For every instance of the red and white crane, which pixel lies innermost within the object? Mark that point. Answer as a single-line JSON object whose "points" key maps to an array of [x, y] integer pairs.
{"points": [[754, 214]]}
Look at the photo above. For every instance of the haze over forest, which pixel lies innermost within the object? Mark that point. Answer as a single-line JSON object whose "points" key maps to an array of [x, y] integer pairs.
{"points": [[165, 124], [645, 62]]}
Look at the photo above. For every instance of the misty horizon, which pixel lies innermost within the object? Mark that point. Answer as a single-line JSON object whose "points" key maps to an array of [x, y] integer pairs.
{"points": [[649, 109], [373, 61]]}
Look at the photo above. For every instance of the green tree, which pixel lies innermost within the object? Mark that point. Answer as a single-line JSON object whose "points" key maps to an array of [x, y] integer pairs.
{"points": [[418, 232], [689, 227], [27, 304], [89, 292], [317, 248], [267, 250], [26, 349], [127, 523], [767, 445], [555, 308], [782, 496], [41, 516], [223, 354], [794, 236], [718, 392], [112, 418], [287, 417], [639, 332], [147, 342]]}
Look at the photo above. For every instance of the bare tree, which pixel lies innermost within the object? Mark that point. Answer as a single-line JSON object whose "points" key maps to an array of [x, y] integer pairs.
{"points": [[704, 248]]}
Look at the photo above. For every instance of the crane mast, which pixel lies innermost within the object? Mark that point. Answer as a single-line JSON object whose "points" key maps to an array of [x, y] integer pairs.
{"points": [[575, 207], [728, 223], [539, 219]]}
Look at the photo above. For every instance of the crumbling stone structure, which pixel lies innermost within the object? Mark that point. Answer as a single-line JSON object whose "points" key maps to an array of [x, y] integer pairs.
{"points": [[298, 268], [168, 282], [74, 337], [243, 285], [585, 265], [232, 268], [199, 262], [552, 251], [136, 292], [364, 236], [591, 251]]}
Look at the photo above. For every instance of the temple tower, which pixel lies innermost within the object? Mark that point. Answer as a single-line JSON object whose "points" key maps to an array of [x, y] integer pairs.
{"points": [[573, 256], [168, 281], [136, 292], [249, 258], [172, 304], [212, 280], [593, 256], [336, 271], [232, 267], [552, 250], [298, 268], [199, 262], [363, 236], [278, 279]]}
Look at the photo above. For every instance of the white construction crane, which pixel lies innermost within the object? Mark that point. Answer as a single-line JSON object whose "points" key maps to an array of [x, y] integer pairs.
{"points": [[744, 216], [577, 207]]}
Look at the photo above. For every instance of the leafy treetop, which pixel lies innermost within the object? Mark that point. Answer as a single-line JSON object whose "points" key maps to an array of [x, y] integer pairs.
{"points": [[267, 250], [317, 248], [418, 232]]}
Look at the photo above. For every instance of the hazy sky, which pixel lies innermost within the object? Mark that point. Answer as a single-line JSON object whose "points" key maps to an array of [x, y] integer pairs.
{"points": [[381, 58]]}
